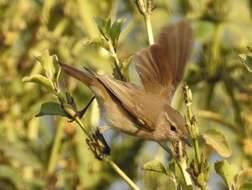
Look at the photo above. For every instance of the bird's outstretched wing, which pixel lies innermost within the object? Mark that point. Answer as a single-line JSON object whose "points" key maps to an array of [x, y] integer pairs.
{"points": [[161, 66]]}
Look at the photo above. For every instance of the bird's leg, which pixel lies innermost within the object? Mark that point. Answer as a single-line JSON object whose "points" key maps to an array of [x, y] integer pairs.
{"points": [[82, 112]]}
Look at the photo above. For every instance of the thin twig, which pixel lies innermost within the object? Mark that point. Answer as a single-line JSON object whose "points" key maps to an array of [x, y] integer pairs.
{"points": [[145, 9], [121, 173], [117, 63], [147, 21], [182, 167]]}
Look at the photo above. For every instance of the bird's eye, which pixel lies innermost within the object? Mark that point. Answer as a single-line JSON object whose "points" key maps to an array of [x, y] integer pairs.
{"points": [[173, 128]]}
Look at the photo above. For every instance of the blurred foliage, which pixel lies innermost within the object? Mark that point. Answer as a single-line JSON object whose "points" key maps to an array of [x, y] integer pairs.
{"points": [[50, 153]]}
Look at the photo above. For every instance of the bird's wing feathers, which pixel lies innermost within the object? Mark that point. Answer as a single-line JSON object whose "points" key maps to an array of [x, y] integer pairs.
{"points": [[134, 100], [161, 66]]}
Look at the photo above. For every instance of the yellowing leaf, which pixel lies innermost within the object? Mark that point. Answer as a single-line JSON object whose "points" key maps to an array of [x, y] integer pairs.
{"points": [[218, 142]]}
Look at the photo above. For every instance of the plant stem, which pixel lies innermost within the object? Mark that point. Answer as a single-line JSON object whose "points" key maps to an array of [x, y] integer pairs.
{"points": [[55, 150], [147, 21], [121, 173], [182, 167], [145, 9], [192, 123], [196, 150], [117, 64], [78, 121], [181, 162]]}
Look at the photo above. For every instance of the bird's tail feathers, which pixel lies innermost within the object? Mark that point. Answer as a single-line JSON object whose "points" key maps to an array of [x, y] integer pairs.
{"points": [[86, 76]]}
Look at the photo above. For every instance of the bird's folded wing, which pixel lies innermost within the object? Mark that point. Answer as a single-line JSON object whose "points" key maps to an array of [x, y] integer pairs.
{"points": [[135, 101], [161, 66]]}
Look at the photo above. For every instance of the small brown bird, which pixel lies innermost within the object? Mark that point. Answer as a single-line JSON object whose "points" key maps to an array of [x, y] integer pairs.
{"points": [[146, 112]]}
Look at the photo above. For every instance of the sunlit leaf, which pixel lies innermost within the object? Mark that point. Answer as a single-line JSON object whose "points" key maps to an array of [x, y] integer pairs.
{"points": [[226, 171], [51, 108], [218, 142], [50, 65], [109, 31], [155, 166], [39, 79]]}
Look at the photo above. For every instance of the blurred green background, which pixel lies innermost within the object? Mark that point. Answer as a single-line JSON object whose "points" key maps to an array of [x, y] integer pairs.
{"points": [[30, 157]]}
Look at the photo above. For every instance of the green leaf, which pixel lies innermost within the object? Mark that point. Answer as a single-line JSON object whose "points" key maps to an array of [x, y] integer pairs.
{"points": [[226, 171], [108, 26], [99, 22], [246, 186], [115, 31], [109, 32], [246, 60], [50, 65], [218, 142], [39, 79], [51, 108], [103, 26], [155, 166]]}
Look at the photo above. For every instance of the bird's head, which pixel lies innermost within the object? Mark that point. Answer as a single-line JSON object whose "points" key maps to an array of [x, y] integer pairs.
{"points": [[173, 124]]}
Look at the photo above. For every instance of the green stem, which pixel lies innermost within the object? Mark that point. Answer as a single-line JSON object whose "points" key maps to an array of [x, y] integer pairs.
{"points": [[182, 167], [117, 63], [55, 150], [121, 173], [145, 9], [181, 162], [196, 150], [191, 123], [81, 125]]}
